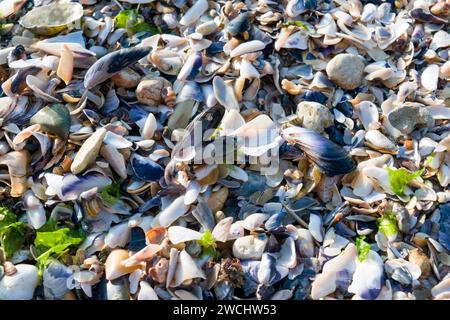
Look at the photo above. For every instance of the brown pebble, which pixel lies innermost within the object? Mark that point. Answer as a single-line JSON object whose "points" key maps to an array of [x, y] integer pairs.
{"points": [[127, 78], [149, 91]]}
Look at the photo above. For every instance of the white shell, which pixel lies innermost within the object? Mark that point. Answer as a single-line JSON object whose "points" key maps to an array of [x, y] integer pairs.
{"points": [[146, 292], [187, 269], [171, 213], [315, 227], [118, 236], [247, 47], [194, 13], [178, 234], [149, 128], [334, 271]]}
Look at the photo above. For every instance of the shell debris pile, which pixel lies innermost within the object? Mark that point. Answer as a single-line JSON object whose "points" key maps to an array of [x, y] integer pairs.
{"points": [[329, 172]]}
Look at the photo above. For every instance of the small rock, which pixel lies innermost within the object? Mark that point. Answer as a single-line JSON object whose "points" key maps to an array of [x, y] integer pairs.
{"points": [[407, 117], [403, 217], [419, 258], [88, 151], [249, 247], [126, 78], [20, 285], [54, 118], [346, 70], [314, 116], [149, 91]]}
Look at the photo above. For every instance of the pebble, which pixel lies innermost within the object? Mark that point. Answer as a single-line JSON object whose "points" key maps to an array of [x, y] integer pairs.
{"points": [[21, 284], [126, 78], [346, 71], [249, 247], [405, 118], [403, 218], [314, 116], [149, 91], [88, 151]]}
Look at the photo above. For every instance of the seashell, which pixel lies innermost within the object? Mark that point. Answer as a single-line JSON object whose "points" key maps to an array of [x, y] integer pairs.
{"points": [[222, 229], [369, 13], [112, 63], [203, 214], [18, 165], [65, 67], [53, 18], [115, 160], [441, 39], [156, 235], [118, 236], [255, 221], [192, 192], [191, 91], [441, 288], [145, 254], [178, 234], [225, 94], [288, 257], [380, 142], [217, 199], [335, 272], [315, 227], [166, 61], [20, 285], [191, 68], [207, 28], [146, 169], [367, 280], [329, 157], [186, 269], [149, 128], [35, 210], [207, 120], [175, 210], [54, 118], [247, 47], [169, 97], [114, 267], [55, 280], [194, 12], [146, 292], [239, 25], [421, 15], [326, 26], [88, 151], [8, 8]]}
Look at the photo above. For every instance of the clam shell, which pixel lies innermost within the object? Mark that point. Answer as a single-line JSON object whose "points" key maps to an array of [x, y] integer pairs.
{"points": [[114, 267]]}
